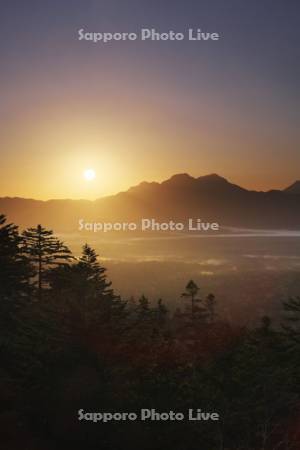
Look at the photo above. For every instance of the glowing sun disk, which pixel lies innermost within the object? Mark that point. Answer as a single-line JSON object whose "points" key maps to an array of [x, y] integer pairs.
{"points": [[89, 174]]}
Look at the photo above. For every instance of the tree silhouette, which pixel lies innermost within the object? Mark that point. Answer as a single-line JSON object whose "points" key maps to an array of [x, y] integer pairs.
{"points": [[84, 291], [143, 308], [196, 310], [161, 312], [15, 270], [191, 294], [210, 304], [83, 281], [86, 346], [44, 251], [93, 272]]}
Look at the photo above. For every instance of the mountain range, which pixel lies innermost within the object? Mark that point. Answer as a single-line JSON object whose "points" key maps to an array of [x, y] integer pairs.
{"points": [[211, 198]]}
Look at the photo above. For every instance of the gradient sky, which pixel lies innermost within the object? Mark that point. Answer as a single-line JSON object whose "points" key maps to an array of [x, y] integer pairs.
{"points": [[138, 111]]}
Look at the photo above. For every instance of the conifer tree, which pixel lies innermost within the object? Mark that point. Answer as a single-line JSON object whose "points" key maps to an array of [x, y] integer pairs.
{"points": [[143, 308], [93, 272], [160, 317], [191, 291], [15, 269], [161, 312], [196, 310], [15, 272], [44, 251], [85, 291], [210, 304], [83, 281]]}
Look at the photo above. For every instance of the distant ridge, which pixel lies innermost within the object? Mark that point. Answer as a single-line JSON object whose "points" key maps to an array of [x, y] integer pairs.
{"points": [[210, 197], [294, 188]]}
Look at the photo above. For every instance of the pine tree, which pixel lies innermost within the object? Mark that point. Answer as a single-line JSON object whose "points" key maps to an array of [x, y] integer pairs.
{"points": [[15, 269], [210, 304], [84, 291], [191, 291], [196, 310], [44, 251], [94, 273], [15, 272], [160, 318], [143, 308], [161, 312], [83, 281]]}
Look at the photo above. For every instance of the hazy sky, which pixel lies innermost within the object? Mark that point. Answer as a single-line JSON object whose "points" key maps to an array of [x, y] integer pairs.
{"points": [[136, 111]]}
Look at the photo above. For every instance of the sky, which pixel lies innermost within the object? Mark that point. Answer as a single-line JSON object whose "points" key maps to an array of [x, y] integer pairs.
{"points": [[145, 110]]}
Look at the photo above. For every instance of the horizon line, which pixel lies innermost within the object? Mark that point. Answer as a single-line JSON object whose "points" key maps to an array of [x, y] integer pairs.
{"points": [[17, 197]]}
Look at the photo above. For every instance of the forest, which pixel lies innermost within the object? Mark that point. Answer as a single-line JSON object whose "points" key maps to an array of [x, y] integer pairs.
{"points": [[68, 342]]}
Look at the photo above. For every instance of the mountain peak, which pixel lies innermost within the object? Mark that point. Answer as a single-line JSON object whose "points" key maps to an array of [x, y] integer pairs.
{"points": [[181, 177], [184, 178], [179, 180], [213, 177], [294, 188]]}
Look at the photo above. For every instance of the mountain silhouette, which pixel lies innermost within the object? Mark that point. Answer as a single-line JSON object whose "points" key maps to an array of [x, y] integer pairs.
{"points": [[294, 188], [211, 198]]}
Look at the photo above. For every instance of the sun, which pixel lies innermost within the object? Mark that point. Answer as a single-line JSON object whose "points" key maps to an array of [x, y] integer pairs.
{"points": [[89, 174]]}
